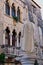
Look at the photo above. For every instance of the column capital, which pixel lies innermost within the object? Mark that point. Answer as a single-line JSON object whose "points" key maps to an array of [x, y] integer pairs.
{"points": [[11, 34]]}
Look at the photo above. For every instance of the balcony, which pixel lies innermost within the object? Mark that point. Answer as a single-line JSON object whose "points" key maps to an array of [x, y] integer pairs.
{"points": [[11, 50], [15, 20]]}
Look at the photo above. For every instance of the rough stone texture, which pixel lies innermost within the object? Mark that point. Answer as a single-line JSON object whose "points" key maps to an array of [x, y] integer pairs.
{"points": [[30, 31]]}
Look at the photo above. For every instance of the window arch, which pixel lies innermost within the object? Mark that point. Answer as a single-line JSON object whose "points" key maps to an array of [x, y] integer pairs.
{"points": [[7, 7], [18, 14], [13, 10], [14, 38], [7, 36]]}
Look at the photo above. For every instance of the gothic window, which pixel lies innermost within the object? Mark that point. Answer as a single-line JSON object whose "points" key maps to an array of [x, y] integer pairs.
{"points": [[13, 10], [7, 7], [30, 7], [7, 36], [30, 16], [18, 14], [14, 39], [34, 9]]}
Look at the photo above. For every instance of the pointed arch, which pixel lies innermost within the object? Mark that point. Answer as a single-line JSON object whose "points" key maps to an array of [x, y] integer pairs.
{"points": [[18, 13], [14, 38], [13, 10], [7, 7], [7, 30], [7, 36]]}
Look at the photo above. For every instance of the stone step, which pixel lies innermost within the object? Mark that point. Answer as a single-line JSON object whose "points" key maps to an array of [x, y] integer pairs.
{"points": [[25, 60]]}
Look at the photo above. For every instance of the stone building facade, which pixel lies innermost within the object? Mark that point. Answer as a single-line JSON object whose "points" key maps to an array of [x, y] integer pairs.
{"points": [[19, 26]]}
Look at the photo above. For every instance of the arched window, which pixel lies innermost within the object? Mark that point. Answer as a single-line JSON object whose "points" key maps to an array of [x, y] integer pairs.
{"points": [[18, 14], [7, 36], [13, 10], [14, 39], [7, 7]]}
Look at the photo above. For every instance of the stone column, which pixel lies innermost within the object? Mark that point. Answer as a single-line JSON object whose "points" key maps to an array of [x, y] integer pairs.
{"points": [[4, 37], [4, 9], [17, 42]]}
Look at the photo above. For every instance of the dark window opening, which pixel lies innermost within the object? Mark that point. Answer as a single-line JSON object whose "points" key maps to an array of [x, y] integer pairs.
{"points": [[7, 37], [7, 7], [14, 39], [18, 14], [30, 17], [13, 10], [34, 9]]}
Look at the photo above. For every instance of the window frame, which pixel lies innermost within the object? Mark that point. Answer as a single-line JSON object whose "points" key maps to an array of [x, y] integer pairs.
{"points": [[18, 14], [13, 10], [7, 8]]}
